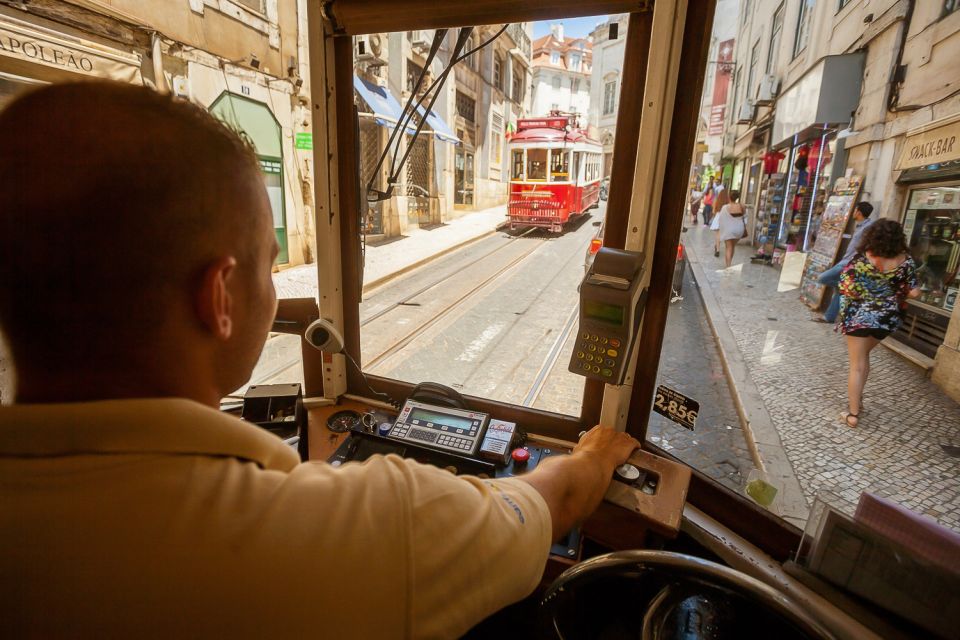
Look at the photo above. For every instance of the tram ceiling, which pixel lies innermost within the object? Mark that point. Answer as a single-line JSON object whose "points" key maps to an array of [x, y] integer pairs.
{"points": [[357, 17]]}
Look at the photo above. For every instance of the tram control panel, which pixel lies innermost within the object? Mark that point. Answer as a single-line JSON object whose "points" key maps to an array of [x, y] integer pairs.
{"points": [[611, 305]]}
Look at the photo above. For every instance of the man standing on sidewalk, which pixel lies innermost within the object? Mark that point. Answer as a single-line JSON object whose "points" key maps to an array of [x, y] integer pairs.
{"points": [[831, 277]]}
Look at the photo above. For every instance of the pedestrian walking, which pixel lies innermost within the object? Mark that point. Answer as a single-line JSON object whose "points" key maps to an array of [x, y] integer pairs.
{"points": [[707, 209], [874, 287], [695, 198], [720, 200], [831, 277], [730, 224]]}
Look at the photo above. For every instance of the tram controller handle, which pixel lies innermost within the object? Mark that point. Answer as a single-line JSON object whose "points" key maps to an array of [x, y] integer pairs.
{"points": [[611, 305]]}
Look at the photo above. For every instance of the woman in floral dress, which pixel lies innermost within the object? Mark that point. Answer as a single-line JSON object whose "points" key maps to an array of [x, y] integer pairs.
{"points": [[874, 287]]}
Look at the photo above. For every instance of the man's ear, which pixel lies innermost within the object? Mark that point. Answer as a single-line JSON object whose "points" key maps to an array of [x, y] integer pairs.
{"points": [[213, 301]]}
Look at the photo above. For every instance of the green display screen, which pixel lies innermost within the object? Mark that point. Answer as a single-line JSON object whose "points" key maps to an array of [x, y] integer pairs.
{"points": [[445, 419], [610, 313]]}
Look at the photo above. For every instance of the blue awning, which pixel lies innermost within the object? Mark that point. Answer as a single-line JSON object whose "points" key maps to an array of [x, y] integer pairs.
{"points": [[386, 109], [440, 128]]}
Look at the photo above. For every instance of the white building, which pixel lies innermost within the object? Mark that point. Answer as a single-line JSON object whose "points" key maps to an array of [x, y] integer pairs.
{"points": [[608, 39], [712, 110], [561, 74]]}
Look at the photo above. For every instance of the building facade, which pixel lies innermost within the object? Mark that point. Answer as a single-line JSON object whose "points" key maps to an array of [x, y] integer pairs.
{"points": [[830, 89], [458, 162], [608, 40], [244, 60], [561, 74]]}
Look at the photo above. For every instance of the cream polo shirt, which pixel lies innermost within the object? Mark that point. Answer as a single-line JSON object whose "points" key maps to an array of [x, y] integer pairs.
{"points": [[165, 518]]}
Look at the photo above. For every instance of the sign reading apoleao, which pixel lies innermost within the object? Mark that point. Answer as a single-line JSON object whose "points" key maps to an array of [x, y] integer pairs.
{"points": [[40, 48], [44, 52], [940, 144]]}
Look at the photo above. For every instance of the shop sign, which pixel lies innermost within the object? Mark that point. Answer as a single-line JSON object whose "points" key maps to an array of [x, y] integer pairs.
{"points": [[24, 44], [303, 141], [935, 146]]}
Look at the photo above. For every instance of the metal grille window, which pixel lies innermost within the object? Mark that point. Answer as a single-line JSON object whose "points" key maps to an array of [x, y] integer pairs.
{"points": [[370, 148], [418, 169], [466, 107], [776, 32], [256, 5], [609, 97]]}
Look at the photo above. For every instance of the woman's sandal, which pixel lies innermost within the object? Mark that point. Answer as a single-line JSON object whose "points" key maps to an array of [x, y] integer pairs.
{"points": [[856, 418]]}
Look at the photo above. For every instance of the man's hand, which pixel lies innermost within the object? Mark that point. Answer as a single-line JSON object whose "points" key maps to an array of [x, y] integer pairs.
{"points": [[573, 485], [612, 448]]}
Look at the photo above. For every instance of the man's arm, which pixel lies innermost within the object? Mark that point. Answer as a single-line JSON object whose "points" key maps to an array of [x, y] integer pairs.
{"points": [[573, 486]]}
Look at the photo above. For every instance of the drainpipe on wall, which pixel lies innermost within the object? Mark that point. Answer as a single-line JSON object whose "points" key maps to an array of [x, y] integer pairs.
{"points": [[899, 71], [156, 56]]}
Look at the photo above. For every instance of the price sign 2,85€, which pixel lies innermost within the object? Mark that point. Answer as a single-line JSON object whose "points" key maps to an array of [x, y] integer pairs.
{"points": [[676, 407]]}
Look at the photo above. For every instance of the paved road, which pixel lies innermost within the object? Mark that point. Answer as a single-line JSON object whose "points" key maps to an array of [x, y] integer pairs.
{"points": [[691, 364]]}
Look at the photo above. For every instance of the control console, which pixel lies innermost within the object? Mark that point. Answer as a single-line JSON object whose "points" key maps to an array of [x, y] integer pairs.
{"points": [[456, 430]]}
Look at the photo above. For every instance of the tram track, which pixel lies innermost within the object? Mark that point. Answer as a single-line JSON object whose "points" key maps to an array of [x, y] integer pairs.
{"points": [[540, 380], [406, 301], [446, 310]]}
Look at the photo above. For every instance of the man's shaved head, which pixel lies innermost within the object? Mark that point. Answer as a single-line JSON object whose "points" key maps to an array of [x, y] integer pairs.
{"points": [[113, 201]]}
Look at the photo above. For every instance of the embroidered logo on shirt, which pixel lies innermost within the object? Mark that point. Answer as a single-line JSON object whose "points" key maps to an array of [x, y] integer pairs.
{"points": [[510, 502]]}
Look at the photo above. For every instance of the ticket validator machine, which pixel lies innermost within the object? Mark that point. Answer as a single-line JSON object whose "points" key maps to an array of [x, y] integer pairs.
{"points": [[611, 305]]}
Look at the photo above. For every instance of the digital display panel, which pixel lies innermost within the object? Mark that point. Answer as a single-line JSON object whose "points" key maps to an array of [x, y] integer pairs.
{"points": [[438, 419], [609, 313]]}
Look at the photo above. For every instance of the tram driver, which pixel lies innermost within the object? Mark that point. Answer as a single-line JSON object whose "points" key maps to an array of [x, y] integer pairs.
{"points": [[136, 245]]}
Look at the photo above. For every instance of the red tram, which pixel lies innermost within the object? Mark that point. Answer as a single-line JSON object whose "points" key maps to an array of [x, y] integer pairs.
{"points": [[555, 172]]}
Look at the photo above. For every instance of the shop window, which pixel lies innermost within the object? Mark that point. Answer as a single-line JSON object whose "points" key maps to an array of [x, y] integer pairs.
{"points": [[559, 165], [517, 162], [932, 227], [536, 164]]}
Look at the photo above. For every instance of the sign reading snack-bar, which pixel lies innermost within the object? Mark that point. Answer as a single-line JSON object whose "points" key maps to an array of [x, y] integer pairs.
{"points": [[933, 146]]}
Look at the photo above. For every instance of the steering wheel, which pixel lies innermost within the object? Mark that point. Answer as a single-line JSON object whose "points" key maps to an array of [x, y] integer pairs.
{"points": [[660, 595]]}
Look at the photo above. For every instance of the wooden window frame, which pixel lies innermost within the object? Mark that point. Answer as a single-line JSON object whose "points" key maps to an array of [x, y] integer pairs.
{"points": [[365, 16]]}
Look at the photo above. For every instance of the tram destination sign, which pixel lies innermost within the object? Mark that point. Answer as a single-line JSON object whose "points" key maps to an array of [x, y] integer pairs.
{"points": [[676, 406]]}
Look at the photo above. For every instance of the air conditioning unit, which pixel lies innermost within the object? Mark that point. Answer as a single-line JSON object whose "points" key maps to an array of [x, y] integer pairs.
{"points": [[368, 49], [745, 113], [421, 40], [768, 89]]}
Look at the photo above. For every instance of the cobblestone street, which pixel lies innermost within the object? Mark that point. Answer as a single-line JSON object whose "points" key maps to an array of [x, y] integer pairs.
{"points": [[909, 427]]}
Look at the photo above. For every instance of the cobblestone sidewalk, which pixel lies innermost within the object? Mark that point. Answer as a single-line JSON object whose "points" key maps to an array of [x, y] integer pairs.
{"points": [[800, 370], [395, 256]]}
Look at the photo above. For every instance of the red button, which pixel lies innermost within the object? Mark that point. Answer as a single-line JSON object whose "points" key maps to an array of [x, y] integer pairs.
{"points": [[614, 343], [520, 456]]}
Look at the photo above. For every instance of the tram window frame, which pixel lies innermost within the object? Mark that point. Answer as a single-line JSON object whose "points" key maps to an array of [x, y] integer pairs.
{"points": [[774, 536], [514, 165], [564, 174]]}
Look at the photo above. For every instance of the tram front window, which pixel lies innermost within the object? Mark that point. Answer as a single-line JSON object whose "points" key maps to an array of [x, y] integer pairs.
{"points": [[517, 156], [536, 164]]}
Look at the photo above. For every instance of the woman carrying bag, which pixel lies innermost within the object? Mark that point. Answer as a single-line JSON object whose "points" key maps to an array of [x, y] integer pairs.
{"points": [[730, 226]]}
